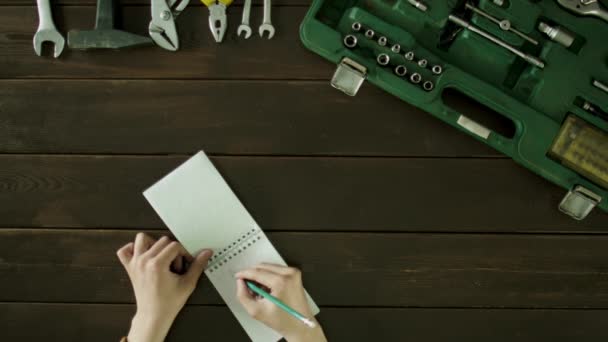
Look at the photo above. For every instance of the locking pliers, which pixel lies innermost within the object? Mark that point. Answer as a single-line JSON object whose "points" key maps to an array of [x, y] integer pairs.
{"points": [[162, 26]]}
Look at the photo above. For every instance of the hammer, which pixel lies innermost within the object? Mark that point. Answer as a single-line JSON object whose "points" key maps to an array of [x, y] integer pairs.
{"points": [[105, 36]]}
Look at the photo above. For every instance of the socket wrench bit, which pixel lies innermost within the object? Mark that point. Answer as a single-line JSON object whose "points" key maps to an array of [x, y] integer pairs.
{"points": [[409, 55], [428, 85], [350, 41], [415, 78], [370, 33], [528, 58], [382, 41], [356, 26], [437, 69], [396, 48], [423, 63], [383, 59], [400, 70], [557, 34]]}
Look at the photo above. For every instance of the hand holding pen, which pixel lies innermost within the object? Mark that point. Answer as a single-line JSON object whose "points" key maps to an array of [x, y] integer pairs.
{"points": [[279, 301]]}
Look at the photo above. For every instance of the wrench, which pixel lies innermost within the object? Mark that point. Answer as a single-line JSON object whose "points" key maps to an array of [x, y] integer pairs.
{"points": [[244, 27], [585, 7], [266, 24], [47, 32]]}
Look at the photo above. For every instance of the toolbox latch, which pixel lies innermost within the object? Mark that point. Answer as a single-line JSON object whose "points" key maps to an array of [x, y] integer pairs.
{"points": [[579, 202], [349, 76]]}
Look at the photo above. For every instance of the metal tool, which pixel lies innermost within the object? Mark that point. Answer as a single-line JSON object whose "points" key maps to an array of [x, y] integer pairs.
{"points": [[437, 69], [162, 26], [383, 59], [244, 27], [504, 24], [585, 7], [593, 109], [350, 41], [356, 26], [601, 86], [370, 33], [105, 36], [409, 55], [418, 4], [400, 70], [47, 32], [267, 24], [396, 48], [528, 58], [428, 85], [423, 63], [416, 78], [382, 41], [217, 17], [557, 34]]}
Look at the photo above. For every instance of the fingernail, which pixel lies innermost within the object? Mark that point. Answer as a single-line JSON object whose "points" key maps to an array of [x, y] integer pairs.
{"points": [[206, 253]]}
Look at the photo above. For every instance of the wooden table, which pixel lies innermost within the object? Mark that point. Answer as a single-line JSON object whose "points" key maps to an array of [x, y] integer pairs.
{"points": [[405, 229]]}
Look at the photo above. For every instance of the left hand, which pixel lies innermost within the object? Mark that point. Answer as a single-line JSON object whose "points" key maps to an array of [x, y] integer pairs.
{"points": [[160, 293]]}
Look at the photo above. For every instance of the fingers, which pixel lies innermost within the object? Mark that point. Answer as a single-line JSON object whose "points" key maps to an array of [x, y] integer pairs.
{"points": [[170, 252], [142, 243], [261, 276], [198, 266], [158, 246], [125, 254], [247, 300]]}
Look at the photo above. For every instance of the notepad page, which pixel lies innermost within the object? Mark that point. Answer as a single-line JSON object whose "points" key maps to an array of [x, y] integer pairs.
{"points": [[199, 207], [201, 211]]}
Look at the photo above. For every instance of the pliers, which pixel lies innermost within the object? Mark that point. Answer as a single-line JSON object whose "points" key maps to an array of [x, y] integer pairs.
{"points": [[217, 17], [162, 26]]}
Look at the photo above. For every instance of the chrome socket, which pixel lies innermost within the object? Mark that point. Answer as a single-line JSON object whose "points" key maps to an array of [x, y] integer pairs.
{"points": [[396, 48], [350, 41], [428, 85], [370, 34], [400, 70], [383, 59], [415, 78], [356, 26], [382, 41], [409, 55], [423, 63]]}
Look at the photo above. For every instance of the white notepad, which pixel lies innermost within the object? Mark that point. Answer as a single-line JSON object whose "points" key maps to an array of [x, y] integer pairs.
{"points": [[202, 212]]}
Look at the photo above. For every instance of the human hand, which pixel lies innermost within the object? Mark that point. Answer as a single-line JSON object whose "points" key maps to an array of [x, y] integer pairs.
{"points": [[285, 283], [160, 292]]}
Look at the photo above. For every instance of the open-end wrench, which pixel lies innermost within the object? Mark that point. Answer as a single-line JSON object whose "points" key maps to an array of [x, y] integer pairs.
{"points": [[267, 24], [585, 7], [244, 27], [47, 32]]}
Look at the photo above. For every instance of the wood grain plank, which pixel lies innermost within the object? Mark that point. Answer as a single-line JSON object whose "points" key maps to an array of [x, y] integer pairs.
{"points": [[295, 193], [199, 56], [101, 323], [177, 117], [352, 269], [233, 7]]}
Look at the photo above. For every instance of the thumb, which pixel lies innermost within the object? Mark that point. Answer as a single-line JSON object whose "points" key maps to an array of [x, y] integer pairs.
{"points": [[198, 266]]}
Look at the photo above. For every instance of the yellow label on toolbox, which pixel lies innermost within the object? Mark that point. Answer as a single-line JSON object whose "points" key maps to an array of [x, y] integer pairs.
{"points": [[584, 148]]}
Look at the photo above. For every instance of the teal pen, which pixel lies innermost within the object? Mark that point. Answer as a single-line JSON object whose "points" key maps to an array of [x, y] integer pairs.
{"points": [[280, 304]]}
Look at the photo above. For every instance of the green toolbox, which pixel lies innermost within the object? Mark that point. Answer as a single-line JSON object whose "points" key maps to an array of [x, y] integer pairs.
{"points": [[529, 78]]}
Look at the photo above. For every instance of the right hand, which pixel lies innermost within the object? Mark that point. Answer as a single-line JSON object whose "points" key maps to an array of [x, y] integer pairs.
{"points": [[285, 283]]}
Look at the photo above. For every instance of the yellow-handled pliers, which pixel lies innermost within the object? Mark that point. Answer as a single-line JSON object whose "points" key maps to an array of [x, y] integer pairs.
{"points": [[217, 17]]}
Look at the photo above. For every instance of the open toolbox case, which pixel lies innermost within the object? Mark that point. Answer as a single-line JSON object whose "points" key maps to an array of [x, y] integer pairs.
{"points": [[556, 116]]}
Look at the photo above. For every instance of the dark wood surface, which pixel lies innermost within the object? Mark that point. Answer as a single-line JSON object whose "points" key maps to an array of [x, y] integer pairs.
{"points": [[405, 229]]}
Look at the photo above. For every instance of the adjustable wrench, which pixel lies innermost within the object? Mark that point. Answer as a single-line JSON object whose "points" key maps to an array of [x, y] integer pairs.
{"points": [[47, 32], [266, 24], [585, 7], [244, 27]]}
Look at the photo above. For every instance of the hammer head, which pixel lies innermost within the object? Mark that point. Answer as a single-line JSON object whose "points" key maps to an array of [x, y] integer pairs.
{"points": [[105, 39]]}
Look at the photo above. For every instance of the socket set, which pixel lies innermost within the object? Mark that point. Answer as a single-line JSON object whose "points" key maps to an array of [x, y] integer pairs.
{"points": [[403, 63], [538, 67]]}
